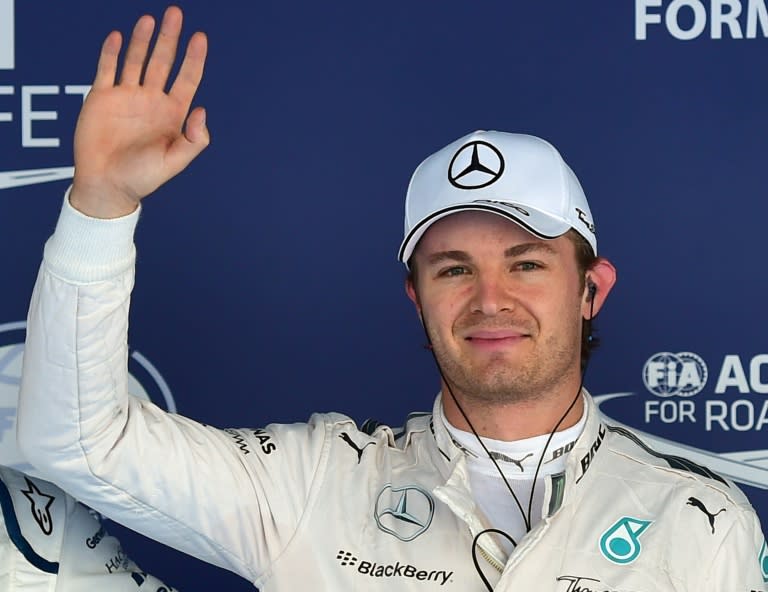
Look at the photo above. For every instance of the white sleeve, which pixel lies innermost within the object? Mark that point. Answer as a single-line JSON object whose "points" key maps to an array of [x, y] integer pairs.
{"points": [[170, 478]]}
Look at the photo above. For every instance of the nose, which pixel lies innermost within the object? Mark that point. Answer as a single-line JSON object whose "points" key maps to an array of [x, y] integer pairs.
{"points": [[491, 296]]}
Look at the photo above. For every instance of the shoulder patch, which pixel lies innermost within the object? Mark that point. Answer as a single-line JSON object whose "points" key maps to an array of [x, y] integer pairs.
{"points": [[675, 462]]}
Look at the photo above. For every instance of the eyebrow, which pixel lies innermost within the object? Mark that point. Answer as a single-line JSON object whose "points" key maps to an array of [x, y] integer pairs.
{"points": [[516, 251], [524, 248]]}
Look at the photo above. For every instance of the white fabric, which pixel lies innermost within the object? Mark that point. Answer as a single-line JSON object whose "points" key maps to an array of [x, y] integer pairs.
{"points": [[518, 461], [324, 506], [517, 176], [51, 543]]}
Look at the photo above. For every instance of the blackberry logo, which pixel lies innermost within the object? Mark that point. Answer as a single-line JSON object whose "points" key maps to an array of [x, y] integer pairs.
{"points": [[683, 374], [346, 558], [397, 569]]}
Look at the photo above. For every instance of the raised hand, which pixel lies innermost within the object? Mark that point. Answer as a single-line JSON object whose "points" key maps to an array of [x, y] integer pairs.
{"points": [[132, 135]]}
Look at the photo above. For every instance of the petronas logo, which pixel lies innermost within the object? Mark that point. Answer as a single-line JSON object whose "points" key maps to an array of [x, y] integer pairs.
{"points": [[621, 542], [764, 562]]}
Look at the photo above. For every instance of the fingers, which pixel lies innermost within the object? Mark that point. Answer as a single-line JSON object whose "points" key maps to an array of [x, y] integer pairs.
{"points": [[161, 61], [164, 53], [107, 66], [136, 54], [191, 71]]}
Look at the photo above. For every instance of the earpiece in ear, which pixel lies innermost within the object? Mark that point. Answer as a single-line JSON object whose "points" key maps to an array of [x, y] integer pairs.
{"points": [[591, 290]]}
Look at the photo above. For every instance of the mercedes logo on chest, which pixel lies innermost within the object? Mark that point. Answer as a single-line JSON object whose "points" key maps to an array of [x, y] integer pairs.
{"points": [[404, 512], [475, 165]]}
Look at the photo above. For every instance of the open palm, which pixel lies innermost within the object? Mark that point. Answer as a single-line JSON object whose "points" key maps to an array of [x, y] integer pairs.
{"points": [[133, 135]]}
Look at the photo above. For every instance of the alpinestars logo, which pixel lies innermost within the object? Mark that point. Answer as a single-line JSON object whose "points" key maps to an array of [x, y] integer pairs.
{"points": [[393, 570], [40, 506]]}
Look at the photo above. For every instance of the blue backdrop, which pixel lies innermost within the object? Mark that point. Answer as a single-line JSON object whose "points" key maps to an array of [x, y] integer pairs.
{"points": [[267, 281]]}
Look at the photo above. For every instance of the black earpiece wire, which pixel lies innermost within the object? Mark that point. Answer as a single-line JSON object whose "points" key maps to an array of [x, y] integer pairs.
{"points": [[592, 290]]}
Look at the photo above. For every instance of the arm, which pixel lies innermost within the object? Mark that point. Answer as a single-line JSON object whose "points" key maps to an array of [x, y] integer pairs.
{"points": [[175, 480]]}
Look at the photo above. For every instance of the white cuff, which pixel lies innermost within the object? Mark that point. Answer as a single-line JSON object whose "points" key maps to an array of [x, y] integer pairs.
{"points": [[84, 250]]}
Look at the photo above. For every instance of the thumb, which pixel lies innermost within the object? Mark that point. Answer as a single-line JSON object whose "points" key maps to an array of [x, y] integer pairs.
{"points": [[188, 145]]}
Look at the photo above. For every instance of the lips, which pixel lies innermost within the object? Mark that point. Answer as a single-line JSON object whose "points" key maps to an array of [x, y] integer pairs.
{"points": [[494, 335]]}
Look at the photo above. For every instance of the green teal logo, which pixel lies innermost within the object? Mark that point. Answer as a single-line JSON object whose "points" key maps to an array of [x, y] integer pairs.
{"points": [[764, 562], [621, 542]]}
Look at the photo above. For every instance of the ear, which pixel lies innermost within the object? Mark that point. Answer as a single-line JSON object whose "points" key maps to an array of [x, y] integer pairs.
{"points": [[601, 277]]}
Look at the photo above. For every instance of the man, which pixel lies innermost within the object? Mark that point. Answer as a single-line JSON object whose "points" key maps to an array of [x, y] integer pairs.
{"points": [[51, 543], [514, 482]]}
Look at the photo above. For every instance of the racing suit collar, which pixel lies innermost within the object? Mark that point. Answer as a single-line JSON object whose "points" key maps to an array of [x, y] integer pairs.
{"points": [[585, 450], [579, 460], [444, 441], [456, 493]]}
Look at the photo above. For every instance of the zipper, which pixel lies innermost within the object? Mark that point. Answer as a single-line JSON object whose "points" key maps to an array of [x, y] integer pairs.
{"points": [[487, 556]]}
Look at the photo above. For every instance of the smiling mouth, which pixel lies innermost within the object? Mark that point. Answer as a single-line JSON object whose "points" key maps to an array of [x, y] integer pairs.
{"points": [[496, 341], [497, 335]]}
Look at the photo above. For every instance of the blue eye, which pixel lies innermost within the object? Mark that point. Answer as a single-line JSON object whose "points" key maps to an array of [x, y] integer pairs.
{"points": [[528, 266], [454, 271]]}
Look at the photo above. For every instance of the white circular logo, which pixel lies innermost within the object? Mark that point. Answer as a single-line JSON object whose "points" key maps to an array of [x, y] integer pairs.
{"points": [[683, 374]]}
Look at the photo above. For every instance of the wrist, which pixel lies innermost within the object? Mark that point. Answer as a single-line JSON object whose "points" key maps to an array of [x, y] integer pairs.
{"points": [[84, 249], [99, 200]]}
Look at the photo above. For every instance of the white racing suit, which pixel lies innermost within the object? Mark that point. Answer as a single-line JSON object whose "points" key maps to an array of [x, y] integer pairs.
{"points": [[324, 505], [51, 543]]}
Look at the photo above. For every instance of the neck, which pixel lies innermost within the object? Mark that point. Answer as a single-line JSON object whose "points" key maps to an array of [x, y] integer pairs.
{"points": [[514, 420]]}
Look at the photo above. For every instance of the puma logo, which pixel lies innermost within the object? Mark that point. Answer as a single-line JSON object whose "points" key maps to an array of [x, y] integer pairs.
{"points": [[692, 501], [509, 459], [348, 440]]}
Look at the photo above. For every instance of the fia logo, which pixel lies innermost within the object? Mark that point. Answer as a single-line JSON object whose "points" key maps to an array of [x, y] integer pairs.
{"points": [[666, 374], [621, 542], [7, 26]]}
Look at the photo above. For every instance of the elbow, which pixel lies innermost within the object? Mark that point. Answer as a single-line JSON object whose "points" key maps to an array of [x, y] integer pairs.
{"points": [[29, 444], [35, 439]]}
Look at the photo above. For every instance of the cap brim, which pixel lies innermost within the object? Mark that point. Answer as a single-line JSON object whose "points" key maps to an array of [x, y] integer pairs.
{"points": [[534, 221]]}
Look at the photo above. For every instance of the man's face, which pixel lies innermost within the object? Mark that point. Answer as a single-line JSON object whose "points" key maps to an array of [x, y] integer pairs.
{"points": [[503, 308]]}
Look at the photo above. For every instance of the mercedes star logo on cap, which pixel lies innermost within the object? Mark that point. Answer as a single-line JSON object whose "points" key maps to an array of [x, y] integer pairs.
{"points": [[475, 165]]}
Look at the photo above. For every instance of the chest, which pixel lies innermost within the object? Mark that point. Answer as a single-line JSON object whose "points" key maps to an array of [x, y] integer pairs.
{"points": [[395, 529]]}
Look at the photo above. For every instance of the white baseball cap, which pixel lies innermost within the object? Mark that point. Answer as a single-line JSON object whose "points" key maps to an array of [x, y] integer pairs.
{"points": [[517, 176]]}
